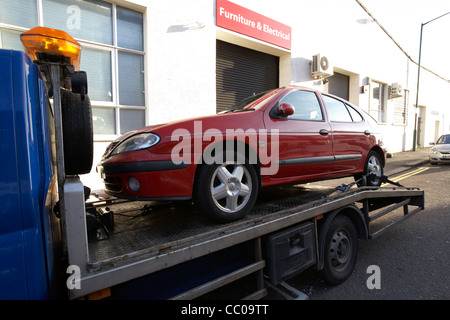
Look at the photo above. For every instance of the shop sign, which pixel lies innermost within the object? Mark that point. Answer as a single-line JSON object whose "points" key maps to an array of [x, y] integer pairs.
{"points": [[233, 17]]}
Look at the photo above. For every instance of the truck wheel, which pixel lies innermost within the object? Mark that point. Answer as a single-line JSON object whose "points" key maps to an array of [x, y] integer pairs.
{"points": [[340, 252], [374, 169], [77, 127], [226, 192]]}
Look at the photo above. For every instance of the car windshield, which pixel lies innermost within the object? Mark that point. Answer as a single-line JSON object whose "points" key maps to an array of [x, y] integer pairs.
{"points": [[253, 102], [444, 139]]}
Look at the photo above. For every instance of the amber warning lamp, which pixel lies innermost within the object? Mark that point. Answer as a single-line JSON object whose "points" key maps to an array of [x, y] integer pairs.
{"points": [[42, 43]]}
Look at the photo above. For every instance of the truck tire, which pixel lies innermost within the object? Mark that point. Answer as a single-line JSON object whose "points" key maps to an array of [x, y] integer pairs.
{"points": [[340, 251], [77, 127], [226, 192]]}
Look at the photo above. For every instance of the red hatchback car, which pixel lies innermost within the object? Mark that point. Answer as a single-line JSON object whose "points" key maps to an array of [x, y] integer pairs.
{"points": [[282, 136]]}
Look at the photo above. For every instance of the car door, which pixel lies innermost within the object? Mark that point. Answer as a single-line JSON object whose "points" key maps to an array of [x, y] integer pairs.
{"points": [[350, 134], [305, 141]]}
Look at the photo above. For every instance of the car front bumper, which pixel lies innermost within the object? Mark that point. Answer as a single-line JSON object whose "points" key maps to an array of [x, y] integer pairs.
{"points": [[439, 158], [148, 180]]}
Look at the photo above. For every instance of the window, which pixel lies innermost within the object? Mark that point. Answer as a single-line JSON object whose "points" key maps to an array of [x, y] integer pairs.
{"points": [[19, 13], [337, 111], [306, 105], [378, 101], [131, 79], [16, 13], [88, 20], [112, 43], [356, 117], [100, 81]]}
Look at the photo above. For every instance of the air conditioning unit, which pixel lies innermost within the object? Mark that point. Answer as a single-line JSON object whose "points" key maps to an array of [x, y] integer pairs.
{"points": [[395, 91], [321, 67]]}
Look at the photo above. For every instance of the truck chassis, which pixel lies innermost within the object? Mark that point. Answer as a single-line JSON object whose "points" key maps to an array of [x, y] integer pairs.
{"points": [[151, 237]]}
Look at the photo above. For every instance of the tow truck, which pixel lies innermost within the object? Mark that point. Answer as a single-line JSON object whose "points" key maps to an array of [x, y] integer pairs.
{"points": [[60, 240]]}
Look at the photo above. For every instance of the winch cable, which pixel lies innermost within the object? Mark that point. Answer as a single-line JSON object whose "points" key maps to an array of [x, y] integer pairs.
{"points": [[363, 182]]}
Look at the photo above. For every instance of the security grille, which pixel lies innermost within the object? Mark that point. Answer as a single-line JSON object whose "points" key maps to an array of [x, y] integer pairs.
{"points": [[338, 85], [241, 72]]}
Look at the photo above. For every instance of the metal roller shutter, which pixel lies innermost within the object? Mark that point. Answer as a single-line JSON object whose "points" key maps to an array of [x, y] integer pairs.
{"points": [[338, 85], [240, 72]]}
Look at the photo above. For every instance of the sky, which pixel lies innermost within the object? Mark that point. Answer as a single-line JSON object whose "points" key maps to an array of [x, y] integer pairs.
{"points": [[403, 19]]}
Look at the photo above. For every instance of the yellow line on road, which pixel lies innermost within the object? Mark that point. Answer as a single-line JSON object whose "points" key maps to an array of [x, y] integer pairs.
{"points": [[408, 174]]}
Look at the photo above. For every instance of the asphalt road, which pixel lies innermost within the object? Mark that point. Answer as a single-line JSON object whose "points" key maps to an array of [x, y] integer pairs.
{"points": [[411, 259]]}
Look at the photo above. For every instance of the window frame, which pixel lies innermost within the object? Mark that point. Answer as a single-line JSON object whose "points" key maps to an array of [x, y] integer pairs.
{"points": [[381, 108]]}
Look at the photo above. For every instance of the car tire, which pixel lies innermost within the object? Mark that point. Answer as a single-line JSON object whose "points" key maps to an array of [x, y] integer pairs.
{"points": [[340, 250], [373, 171], [76, 115], [226, 192]]}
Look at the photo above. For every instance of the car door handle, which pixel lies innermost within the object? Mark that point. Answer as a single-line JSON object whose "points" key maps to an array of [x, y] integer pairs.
{"points": [[367, 133], [323, 132]]}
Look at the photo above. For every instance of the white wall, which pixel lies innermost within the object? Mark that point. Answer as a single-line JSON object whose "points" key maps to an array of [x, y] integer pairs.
{"points": [[434, 97], [180, 59]]}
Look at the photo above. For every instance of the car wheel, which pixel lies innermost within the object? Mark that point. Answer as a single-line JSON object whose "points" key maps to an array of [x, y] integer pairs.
{"points": [[76, 115], [226, 192], [341, 249], [373, 170]]}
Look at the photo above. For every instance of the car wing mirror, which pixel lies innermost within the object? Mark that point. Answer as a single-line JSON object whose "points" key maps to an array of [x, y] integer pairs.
{"points": [[286, 109]]}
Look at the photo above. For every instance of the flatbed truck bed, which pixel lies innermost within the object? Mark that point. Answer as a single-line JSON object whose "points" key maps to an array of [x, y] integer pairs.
{"points": [[147, 238]]}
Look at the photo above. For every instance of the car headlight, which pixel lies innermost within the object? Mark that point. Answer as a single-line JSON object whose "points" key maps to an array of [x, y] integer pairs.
{"points": [[137, 142], [433, 151]]}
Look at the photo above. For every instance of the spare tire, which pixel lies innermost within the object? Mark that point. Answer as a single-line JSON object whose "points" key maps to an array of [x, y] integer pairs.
{"points": [[78, 136]]}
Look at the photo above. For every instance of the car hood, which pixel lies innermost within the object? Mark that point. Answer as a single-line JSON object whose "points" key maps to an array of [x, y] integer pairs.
{"points": [[221, 121], [194, 126], [441, 147], [157, 128]]}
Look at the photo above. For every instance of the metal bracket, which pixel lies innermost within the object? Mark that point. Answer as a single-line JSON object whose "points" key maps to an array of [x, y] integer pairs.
{"points": [[70, 190]]}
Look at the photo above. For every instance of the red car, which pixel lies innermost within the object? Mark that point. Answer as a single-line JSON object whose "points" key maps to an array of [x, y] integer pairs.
{"points": [[282, 136]]}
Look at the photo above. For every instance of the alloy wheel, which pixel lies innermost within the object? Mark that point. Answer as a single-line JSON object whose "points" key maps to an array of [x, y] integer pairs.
{"points": [[231, 187], [374, 169]]}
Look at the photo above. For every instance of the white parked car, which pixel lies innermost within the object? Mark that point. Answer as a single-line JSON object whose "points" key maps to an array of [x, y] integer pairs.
{"points": [[440, 152]]}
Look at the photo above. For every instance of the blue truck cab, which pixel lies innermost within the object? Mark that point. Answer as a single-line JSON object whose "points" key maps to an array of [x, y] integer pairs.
{"points": [[29, 230]]}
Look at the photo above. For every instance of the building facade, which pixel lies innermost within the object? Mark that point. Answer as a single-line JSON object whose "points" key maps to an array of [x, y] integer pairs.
{"points": [[155, 61]]}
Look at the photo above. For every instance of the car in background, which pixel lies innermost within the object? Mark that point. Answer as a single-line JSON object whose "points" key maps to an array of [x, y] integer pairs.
{"points": [[440, 152], [288, 135]]}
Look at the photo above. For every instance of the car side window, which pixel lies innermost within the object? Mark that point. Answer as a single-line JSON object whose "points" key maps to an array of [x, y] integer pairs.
{"points": [[356, 117], [337, 111], [306, 105]]}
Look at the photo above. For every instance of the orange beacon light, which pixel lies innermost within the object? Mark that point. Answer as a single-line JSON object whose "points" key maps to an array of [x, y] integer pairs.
{"points": [[41, 40]]}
